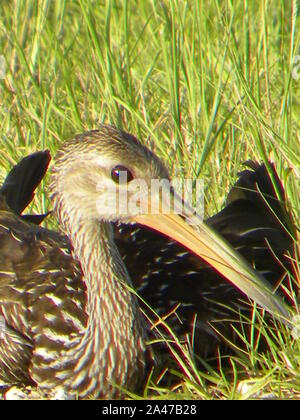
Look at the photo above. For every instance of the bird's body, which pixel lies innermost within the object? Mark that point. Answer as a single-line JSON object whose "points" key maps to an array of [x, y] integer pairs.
{"points": [[72, 323]]}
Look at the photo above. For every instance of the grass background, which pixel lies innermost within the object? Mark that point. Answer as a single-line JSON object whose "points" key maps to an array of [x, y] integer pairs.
{"points": [[209, 84]]}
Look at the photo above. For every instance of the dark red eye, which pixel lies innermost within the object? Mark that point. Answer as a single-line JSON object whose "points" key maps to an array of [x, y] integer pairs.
{"points": [[121, 175]]}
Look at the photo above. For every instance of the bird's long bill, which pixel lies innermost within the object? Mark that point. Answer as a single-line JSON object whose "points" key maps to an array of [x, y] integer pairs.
{"points": [[210, 246]]}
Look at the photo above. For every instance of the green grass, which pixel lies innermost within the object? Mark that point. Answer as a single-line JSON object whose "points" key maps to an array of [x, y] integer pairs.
{"points": [[208, 84]]}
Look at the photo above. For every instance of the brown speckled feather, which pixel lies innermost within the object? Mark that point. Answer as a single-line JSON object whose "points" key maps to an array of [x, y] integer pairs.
{"points": [[37, 271]]}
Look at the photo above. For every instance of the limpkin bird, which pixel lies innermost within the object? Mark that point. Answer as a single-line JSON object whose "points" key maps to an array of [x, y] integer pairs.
{"points": [[72, 321]]}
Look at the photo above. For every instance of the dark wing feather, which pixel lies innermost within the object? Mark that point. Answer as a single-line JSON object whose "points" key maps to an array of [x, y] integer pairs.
{"points": [[22, 181]]}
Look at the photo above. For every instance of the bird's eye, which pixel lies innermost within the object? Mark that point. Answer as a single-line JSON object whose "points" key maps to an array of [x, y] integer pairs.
{"points": [[121, 175]]}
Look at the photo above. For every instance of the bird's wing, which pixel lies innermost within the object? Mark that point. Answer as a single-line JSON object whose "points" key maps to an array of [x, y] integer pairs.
{"points": [[20, 184], [15, 355], [42, 296]]}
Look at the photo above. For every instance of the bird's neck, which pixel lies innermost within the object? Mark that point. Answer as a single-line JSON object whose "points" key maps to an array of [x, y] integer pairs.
{"points": [[111, 348]]}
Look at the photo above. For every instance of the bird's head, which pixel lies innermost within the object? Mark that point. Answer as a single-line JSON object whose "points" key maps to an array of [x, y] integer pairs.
{"points": [[107, 174], [98, 170]]}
